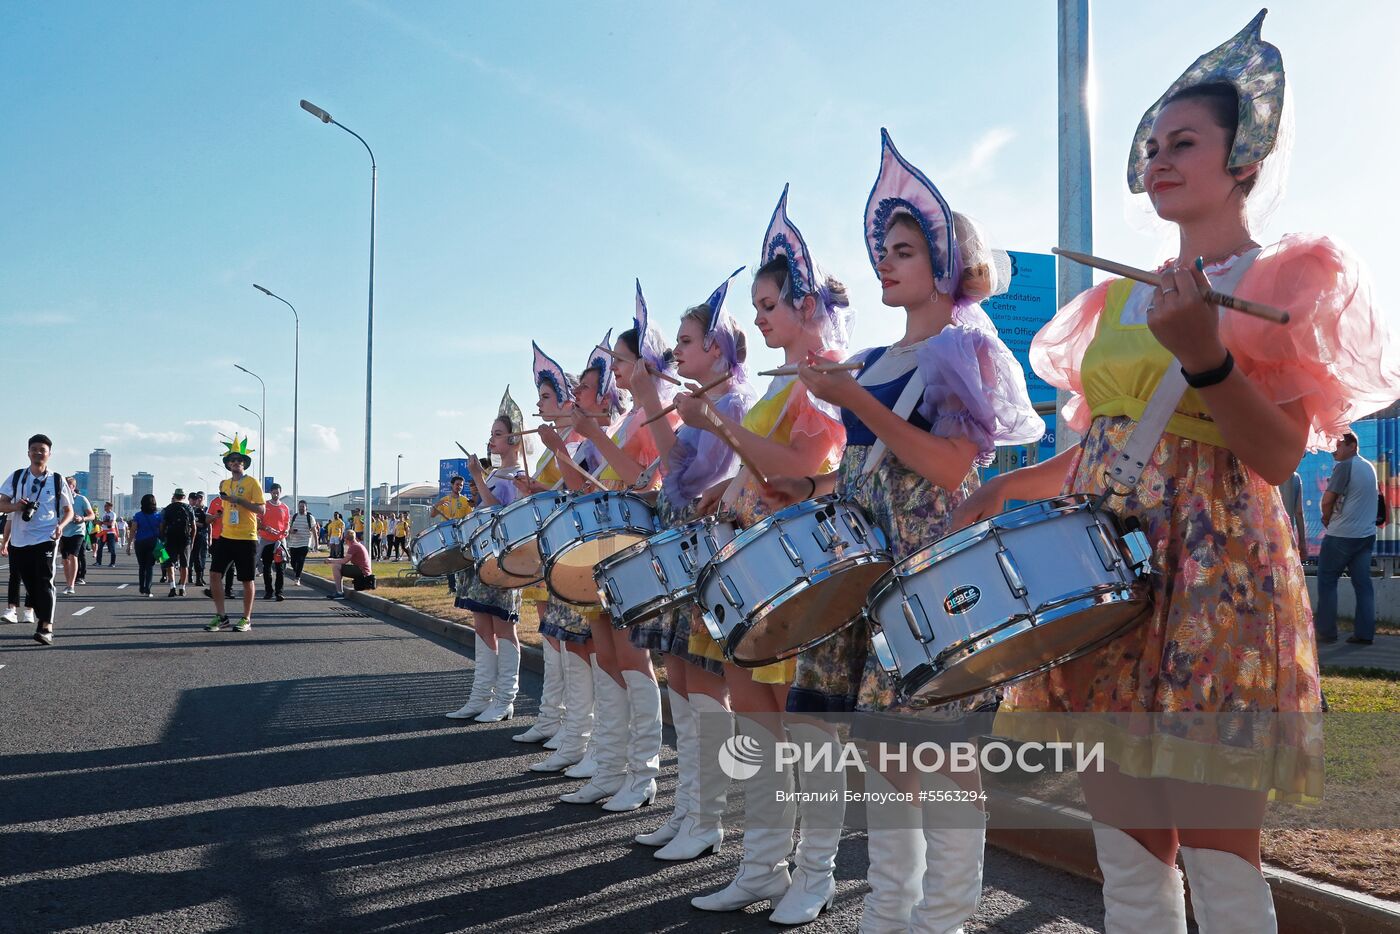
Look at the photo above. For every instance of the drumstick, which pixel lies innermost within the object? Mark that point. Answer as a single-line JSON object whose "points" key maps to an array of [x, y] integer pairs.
{"points": [[728, 437], [820, 368], [670, 379], [719, 381], [1257, 309]]}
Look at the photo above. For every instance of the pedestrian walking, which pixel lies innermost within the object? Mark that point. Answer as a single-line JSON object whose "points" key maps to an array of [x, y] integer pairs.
{"points": [[236, 548], [272, 533], [145, 534], [199, 546], [1349, 510], [40, 507], [177, 529], [70, 546], [11, 614], [107, 535], [300, 534]]}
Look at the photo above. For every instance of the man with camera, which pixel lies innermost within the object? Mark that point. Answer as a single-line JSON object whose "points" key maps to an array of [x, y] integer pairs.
{"points": [[39, 506]]}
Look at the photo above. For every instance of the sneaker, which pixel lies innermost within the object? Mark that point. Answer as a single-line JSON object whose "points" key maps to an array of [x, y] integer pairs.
{"points": [[181, 592], [10, 616], [1357, 640], [217, 623], [267, 595], [338, 595], [209, 593], [243, 625], [149, 594], [174, 592], [82, 580], [44, 638], [280, 598], [29, 616], [69, 591]]}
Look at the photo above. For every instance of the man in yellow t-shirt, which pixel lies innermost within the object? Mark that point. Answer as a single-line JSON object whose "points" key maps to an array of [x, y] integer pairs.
{"points": [[357, 523], [236, 548], [453, 506]]}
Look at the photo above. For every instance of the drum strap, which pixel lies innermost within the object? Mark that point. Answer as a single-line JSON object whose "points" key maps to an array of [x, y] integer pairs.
{"points": [[1127, 468], [903, 407], [736, 485]]}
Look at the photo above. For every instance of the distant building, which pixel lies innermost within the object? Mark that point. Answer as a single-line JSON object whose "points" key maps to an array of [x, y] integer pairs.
{"points": [[141, 484], [100, 475]]}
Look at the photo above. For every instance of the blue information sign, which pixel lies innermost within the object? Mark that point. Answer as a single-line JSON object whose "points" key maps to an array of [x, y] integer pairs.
{"points": [[447, 469], [1019, 313]]}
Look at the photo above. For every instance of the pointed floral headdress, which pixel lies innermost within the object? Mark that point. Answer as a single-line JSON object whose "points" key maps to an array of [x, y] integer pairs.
{"points": [[900, 188], [600, 359], [547, 371], [784, 239], [723, 329], [1254, 68], [515, 418], [238, 447], [650, 340]]}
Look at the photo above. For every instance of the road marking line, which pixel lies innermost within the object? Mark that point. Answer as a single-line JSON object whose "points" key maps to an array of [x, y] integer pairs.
{"points": [[82, 611], [123, 586]]}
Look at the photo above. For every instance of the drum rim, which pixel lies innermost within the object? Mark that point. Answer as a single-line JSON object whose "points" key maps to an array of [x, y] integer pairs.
{"points": [[1127, 593], [510, 546], [553, 559], [588, 537], [798, 585], [796, 509], [649, 610]]}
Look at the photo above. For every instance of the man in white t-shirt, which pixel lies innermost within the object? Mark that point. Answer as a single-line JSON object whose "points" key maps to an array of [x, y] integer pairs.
{"points": [[1349, 520], [40, 506]]}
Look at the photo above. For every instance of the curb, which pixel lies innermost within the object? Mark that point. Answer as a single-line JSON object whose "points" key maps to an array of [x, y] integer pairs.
{"points": [[1049, 834]]}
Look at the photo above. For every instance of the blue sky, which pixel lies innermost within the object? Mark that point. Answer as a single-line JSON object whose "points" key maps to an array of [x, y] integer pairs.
{"points": [[534, 158]]}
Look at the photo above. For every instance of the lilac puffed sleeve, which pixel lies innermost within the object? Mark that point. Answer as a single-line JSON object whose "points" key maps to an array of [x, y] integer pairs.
{"points": [[974, 389], [504, 489], [700, 459]]}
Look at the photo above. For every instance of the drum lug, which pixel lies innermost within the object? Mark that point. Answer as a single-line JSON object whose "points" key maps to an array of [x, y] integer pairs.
{"points": [[609, 594], [687, 559], [833, 540], [793, 554], [1139, 549], [855, 525], [624, 509], [881, 645], [915, 616], [1011, 572], [600, 512], [660, 571], [1107, 553], [727, 585], [578, 523]]}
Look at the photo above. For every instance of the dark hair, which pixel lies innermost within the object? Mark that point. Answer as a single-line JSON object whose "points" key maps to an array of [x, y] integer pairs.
{"points": [[40, 439], [776, 270], [148, 503], [1223, 102], [456, 477], [629, 338], [1349, 438], [504, 422]]}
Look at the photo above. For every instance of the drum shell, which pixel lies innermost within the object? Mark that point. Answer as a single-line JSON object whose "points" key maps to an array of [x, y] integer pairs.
{"points": [[482, 549], [652, 576], [1006, 598], [515, 533], [585, 530], [437, 550], [765, 596]]}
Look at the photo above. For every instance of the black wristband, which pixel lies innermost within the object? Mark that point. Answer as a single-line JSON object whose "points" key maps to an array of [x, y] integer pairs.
{"points": [[814, 486], [1210, 377]]}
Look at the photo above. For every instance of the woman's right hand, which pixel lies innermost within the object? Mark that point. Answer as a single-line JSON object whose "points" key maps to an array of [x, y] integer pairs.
{"points": [[550, 438], [782, 492], [987, 501], [709, 500]]}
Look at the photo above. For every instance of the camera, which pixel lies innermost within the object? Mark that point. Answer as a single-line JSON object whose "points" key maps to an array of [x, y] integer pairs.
{"points": [[27, 509]]}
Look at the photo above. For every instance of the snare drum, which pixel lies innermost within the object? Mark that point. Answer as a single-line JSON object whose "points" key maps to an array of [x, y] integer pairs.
{"points": [[1008, 597], [483, 552], [437, 550], [583, 531], [516, 533], [654, 575], [793, 580], [466, 528]]}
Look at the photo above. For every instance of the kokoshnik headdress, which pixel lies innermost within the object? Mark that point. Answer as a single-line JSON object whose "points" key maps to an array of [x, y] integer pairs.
{"points": [[510, 412], [784, 239], [723, 329], [600, 359], [1254, 68], [238, 447], [900, 188], [650, 340], [548, 372]]}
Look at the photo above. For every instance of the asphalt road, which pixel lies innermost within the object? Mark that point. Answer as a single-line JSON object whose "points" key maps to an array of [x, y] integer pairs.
{"points": [[301, 777]]}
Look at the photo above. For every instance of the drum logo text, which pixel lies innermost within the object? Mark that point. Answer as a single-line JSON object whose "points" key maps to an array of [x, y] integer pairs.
{"points": [[962, 599]]}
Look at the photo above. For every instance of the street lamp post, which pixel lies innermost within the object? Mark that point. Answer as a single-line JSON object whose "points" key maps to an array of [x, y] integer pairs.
{"points": [[398, 475], [324, 117], [262, 430], [296, 381]]}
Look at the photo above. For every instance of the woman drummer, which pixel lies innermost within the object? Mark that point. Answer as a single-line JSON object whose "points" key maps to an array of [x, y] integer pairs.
{"points": [[1230, 630], [920, 417], [710, 352], [555, 389], [627, 700], [787, 432], [495, 610]]}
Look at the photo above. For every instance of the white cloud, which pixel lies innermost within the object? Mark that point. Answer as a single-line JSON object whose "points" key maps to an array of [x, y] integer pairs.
{"points": [[325, 438], [127, 431], [988, 145], [37, 318]]}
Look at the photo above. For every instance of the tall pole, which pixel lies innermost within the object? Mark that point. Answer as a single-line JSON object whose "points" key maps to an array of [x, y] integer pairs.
{"points": [[262, 424], [296, 383], [1076, 169], [324, 117], [398, 475]]}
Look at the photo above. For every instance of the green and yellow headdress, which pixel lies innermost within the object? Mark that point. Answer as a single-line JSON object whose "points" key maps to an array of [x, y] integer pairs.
{"points": [[238, 447]]}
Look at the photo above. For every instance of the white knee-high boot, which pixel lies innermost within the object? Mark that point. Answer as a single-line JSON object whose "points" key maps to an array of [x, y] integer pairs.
{"points": [[483, 682], [502, 706], [955, 839], [610, 727], [1228, 895], [702, 830], [587, 767], [1141, 894], [896, 846], [577, 728], [643, 743], [683, 721], [768, 825], [819, 823], [551, 699]]}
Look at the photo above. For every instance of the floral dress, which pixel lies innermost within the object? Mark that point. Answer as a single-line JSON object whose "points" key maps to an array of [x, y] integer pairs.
{"points": [[1228, 645], [479, 597]]}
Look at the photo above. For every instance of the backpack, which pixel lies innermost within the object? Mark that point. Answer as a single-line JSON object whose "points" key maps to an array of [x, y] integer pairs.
{"points": [[179, 521]]}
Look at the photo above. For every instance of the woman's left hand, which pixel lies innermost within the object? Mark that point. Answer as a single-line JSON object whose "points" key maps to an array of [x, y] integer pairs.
{"points": [[838, 387], [587, 426], [1184, 322], [692, 411]]}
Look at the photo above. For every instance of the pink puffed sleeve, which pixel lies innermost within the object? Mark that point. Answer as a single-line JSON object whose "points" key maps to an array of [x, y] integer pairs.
{"points": [[814, 421], [975, 390], [1057, 351], [1338, 353]]}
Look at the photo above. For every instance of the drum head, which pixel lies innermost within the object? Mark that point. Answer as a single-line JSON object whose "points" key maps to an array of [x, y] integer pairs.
{"points": [[570, 572], [808, 615], [524, 560], [1027, 647], [447, 561]]}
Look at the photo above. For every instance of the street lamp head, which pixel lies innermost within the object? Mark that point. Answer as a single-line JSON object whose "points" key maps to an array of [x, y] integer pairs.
{"points": [[315, 111], [243, 368], [261, 289]]}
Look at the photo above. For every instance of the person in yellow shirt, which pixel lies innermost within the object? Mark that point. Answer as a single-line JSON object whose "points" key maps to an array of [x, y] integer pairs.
{"points": [[453, 506], [237, 544], [335, 531], [399, 541], [357, 522]]}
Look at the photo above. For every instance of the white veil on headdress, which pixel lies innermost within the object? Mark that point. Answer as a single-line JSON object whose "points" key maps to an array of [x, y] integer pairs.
{"points": [[723, 329], [782, 238]]}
